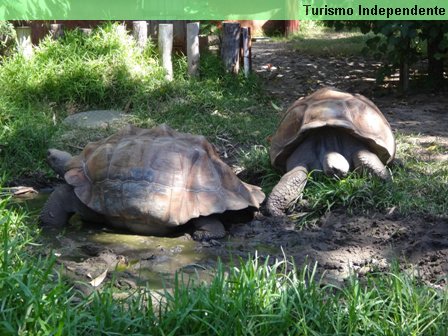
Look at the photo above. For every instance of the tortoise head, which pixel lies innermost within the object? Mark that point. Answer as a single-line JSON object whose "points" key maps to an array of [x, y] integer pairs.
{"points": [[57, 160]]}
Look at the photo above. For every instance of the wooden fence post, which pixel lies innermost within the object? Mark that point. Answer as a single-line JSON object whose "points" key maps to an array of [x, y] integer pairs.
{"points": [[165, 48], [86, 31], [140, 33], [57, 30], [121, 31], [291, 27], [230, 48], [247, 52], [24, 45], [193, 48]]}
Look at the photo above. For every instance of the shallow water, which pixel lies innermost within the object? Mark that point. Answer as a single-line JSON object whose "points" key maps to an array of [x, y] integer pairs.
{"points": [[86, 251]]}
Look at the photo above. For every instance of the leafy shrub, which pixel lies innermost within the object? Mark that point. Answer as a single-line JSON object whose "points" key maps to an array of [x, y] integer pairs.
{"points": [[104, 68], [7, 37]]}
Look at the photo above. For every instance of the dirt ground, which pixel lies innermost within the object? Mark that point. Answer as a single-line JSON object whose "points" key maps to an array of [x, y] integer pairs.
{"points": [[339, 243]]}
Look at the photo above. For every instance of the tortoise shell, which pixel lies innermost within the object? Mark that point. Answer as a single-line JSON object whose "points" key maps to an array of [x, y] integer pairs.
{"points": [[329, 107], [157, 176]]}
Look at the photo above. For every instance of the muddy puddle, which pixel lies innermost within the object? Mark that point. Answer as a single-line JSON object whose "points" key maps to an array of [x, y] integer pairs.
{"points": [[93, 254], [87, 253]]}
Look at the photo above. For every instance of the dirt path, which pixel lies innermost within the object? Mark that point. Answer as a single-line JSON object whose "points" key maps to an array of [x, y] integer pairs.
{"points": [[339, 243]]}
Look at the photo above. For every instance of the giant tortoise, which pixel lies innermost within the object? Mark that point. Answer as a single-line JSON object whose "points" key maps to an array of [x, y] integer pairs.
{"points": [[149, 181], [330, 131]]}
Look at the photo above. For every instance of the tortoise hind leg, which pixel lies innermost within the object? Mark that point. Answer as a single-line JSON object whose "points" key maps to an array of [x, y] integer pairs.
{"points": [[209, 227], [368, 161]]}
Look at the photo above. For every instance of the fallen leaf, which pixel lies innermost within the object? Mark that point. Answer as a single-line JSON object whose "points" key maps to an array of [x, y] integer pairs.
{"points": [[99, 279]]}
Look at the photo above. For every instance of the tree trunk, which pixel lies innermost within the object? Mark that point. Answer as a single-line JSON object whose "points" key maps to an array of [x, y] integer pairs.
{"points": [[404, 65], [435, 65]]}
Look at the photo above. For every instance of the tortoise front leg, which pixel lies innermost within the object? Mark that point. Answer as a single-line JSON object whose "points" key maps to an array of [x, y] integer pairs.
{"points": [[289, 188], [368, 161], [62, 204], [59, 207]]}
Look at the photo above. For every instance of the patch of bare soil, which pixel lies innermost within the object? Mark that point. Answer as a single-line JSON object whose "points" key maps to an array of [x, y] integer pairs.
{"points": [[342, 244], [339, 243]]}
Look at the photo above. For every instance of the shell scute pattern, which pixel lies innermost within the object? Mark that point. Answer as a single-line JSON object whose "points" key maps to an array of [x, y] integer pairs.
{"points": [[157, 176], [329, 107]]}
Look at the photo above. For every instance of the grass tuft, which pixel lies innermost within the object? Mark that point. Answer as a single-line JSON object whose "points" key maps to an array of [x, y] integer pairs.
{"points": [[316, 40]]}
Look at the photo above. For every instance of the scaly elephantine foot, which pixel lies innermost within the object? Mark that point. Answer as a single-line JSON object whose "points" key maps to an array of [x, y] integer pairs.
{"points": [[370, 162], [288, 189], [59, 207], [207, 228]]}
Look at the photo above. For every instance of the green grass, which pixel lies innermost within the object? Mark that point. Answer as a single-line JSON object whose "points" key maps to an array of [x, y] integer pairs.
{"points": [[316, 40], [252, 297]]}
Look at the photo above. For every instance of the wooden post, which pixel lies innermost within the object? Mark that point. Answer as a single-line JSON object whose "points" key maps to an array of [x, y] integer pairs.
{"points": [[165, 48], [436, 46], [230, 48], [120, 29], [404, 75], [24, 45], [247, 52], [193, 48], [57, 30], [291, 27], [86, 31], [140, 33]]}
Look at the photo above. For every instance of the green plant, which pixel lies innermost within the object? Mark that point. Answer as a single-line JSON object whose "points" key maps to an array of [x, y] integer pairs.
{"points": [[7, 38], [257, 167], [208, 27]]}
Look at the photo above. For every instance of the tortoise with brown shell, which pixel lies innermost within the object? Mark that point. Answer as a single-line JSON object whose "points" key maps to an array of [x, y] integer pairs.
{"points": [[330, 131], [149, 181]]}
